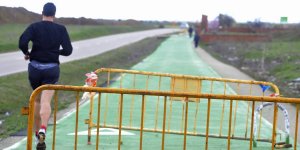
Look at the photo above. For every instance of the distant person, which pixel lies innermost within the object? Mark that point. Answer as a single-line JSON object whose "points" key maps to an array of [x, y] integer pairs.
{"points": [[196, 39], [46, 37], [190, 30]]}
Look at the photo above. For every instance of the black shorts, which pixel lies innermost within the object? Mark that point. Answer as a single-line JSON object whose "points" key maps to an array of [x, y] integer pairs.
{"points": [[38, 77]]}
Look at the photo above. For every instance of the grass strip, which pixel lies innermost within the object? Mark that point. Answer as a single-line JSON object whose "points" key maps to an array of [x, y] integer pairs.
{"points": [[10, 33]]}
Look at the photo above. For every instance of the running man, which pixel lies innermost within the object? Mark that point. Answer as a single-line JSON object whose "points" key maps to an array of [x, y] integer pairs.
{"points": [[46, 37]]}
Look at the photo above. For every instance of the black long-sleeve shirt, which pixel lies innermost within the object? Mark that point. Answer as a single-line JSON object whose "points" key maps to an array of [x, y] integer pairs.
{"points": [[46, 37]]}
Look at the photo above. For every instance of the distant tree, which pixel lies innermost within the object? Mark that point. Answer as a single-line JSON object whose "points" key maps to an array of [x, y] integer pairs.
{"points": [[225, 20], [258, 23]]}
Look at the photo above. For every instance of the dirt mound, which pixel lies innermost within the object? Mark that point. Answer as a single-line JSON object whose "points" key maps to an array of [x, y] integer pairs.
{"points": [[21, 15], [17, 15]]}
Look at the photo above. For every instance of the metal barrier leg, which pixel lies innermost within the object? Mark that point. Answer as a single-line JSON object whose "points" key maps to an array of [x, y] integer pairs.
{"points": [[76, 124], [296, 127], [252, 141], [98, 121], [164, 124], [185, 122], [207, 123], [120, 122], [229, 127], [90, 122], [142, 122], [54, 119], [274, 125]]}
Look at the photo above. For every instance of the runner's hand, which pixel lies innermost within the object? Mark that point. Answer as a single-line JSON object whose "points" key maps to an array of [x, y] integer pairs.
{"points": [[26, 57]]}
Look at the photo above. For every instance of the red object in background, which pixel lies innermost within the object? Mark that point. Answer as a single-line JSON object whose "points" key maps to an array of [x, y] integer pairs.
{"points": [[91, 79]]}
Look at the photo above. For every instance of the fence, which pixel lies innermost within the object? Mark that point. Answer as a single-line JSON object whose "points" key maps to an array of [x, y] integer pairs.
{"points": [[138, 107]]}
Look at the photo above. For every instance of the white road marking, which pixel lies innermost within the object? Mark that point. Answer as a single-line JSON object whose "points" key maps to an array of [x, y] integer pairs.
{"points": [[104, 131]]}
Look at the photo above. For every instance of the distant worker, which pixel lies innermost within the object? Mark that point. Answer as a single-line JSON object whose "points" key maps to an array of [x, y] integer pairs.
{"points": [[46, 37], [196, 39], [190, 30]]}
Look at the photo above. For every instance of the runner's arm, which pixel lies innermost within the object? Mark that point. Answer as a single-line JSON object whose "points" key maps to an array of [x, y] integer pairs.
{"points": [[66, 44], [24, 40]]}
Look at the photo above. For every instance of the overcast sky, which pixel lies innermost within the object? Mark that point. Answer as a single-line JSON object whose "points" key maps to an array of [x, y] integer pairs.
{"points": [[170, 10]]}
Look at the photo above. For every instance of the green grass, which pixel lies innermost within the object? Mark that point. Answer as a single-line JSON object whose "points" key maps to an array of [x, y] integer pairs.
{"points": [[275, 50], [10, 33], [15, 89], [9, 36], [88, 31], [286, 71]]}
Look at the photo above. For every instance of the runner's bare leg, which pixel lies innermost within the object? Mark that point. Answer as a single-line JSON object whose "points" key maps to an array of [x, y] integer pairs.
{"points": [[45, 110], [37, 117]]}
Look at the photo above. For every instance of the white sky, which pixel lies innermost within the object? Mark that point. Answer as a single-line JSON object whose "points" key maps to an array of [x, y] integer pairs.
{"points": [[170, 10]]}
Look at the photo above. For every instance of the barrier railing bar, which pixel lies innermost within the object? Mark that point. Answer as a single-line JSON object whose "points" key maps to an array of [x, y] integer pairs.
{"points": [[207, 123], [120, 121], [98, 121], [250, 93], [164, 124], [296, 127], [106, 102], [183, 107], [247, 118], [145, 97], [252, 125], [118, 113], [121, 83], [181, 133], [185, 122], [142, 122], [33, 96], [76, 124], [54, 119], [132, 101], [90, 122], [199, 87], [223, 109], [157, 103], [186, 76], [164, 93], [229, 127], [178, 94], [274, 125]]}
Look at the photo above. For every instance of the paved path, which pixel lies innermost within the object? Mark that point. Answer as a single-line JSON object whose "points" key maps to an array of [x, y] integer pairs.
{"points": [[14, 62]]}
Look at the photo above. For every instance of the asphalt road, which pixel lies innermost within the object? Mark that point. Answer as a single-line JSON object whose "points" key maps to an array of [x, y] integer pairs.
{"points": [[14, 62]]}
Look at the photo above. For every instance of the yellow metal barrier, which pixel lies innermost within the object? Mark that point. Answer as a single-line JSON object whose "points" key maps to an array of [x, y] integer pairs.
{"points": [[123, 124], [182, 83]]}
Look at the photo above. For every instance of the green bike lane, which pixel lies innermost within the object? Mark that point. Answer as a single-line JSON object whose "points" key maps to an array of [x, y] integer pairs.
{"points": [[175, 55]]}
